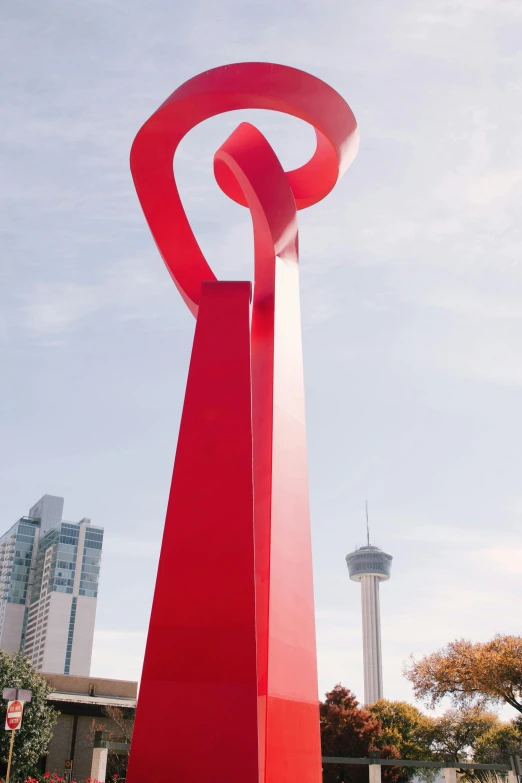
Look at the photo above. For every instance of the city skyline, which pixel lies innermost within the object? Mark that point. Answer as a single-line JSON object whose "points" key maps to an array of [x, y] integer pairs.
{"points": [[411, 291]]}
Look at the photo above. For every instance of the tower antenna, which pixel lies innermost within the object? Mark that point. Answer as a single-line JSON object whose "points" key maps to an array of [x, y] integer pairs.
{"points": [[367, 525]]}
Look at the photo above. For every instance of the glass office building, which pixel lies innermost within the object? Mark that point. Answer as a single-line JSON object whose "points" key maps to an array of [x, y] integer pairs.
{"points": [[49, 573], [17, 548]]}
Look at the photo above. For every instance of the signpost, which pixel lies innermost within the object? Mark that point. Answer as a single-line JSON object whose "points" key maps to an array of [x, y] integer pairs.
{"points": [[68, 770], [10, 694], [16, 698], [13, 721]]}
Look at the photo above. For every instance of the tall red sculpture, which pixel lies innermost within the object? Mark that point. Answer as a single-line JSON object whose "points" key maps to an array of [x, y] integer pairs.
{"points": [[230, 664]]}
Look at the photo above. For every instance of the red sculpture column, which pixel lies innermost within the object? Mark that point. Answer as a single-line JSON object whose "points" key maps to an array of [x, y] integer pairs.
{"points": [[286, 657], [199, 674], [230, 658]]}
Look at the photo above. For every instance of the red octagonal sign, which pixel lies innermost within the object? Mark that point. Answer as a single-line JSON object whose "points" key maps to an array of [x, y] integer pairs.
{"points": [[14, 715]]}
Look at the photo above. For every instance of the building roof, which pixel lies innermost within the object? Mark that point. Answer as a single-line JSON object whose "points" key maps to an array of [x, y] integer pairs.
{"points": [[91, 692], [102, 701]]}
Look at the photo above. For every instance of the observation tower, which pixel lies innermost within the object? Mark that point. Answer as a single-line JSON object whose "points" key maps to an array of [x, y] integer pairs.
{"points": [[369, 565]]}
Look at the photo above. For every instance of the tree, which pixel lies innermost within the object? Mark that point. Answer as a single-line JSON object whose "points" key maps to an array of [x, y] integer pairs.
{"points": [[405, 727], [497, 744], [471, 674], [457, 732], [32, 740], [124, 722], [350, 731], [119, 730]]}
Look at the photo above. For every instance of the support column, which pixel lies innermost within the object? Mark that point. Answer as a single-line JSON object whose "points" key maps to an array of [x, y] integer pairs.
{"points": [[450, 775], [374, 767], [99, 757], [201, 646], [99, 764]]}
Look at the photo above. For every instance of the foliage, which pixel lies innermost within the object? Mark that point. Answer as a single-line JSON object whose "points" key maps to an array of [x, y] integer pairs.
{"points": [[407, 729], [49, 777], [120, 730], [124, 721], [32, 739], [499, 742], [351, 731], [471, 674], [400, 730], [457, 732], [480, 776]]}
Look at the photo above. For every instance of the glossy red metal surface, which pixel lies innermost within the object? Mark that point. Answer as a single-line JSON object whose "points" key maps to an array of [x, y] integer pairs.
{"points": [[231, 644]]}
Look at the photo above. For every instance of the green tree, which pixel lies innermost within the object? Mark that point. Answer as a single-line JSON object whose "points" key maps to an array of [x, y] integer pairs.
{"points": [[458, 731], [405, 727], [409, 730], [32, 740], [497, 744]]}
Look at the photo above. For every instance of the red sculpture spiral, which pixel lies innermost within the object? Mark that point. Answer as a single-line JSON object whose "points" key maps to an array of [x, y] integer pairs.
{"points": [[231, 87], [232, 633]]}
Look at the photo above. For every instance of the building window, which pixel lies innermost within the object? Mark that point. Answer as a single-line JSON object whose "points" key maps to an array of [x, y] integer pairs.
{"points": [[68, 652]]}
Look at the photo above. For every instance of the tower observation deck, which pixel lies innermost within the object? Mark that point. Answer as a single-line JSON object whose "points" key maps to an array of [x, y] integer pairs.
{"points": [[369, 565]]}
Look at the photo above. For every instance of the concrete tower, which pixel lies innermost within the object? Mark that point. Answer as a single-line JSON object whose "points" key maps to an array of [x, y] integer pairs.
{"points": [[369, 565]]}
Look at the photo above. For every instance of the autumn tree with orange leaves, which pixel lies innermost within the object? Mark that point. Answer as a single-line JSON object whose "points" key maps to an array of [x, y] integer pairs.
{"points": [[471, 674]]}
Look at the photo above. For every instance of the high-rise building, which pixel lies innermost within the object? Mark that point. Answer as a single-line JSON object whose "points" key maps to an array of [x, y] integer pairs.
{"points": [[49, 572], [369, 565], [17, 549]]}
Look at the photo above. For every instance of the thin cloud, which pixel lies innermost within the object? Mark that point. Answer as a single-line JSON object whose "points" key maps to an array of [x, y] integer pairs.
{"points": [[411, 280]]}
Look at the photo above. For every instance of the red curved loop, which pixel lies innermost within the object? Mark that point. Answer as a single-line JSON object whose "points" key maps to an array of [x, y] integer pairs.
{"points": [[228, 88], [250, 166]]}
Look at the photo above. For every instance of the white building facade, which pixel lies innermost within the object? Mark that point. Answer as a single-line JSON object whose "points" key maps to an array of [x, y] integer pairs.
{"points": [[369, 565], [49, 574]]}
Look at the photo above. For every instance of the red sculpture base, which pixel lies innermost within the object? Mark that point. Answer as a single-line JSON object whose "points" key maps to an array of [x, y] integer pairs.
{"points": [[230, 663]]}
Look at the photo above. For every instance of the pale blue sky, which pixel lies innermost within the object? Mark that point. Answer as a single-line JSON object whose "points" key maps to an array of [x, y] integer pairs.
{"points": [[411, 298]]}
